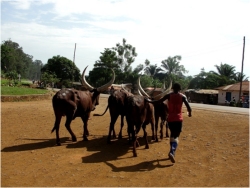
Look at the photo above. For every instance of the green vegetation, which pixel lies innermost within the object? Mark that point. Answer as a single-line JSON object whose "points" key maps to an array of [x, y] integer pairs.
{"points": [[15, 63], [6, 90], [19, 89]]}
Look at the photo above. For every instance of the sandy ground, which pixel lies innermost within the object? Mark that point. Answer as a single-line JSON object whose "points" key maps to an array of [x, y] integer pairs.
{"points": [[213, 151]]}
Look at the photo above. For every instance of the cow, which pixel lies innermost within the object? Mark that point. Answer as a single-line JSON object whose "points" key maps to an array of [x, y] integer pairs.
{"points": [[116, 103], [160, 109], [74, 103], [138, 113]]}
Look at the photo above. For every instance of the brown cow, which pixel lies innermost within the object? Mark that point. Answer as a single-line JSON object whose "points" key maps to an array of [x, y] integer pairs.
{"points": [[160, 108], [74, 103], [138, 114], [116, 103]]}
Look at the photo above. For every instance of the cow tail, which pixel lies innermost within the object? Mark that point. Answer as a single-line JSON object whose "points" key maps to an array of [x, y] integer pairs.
{"points": [[103, 112]]}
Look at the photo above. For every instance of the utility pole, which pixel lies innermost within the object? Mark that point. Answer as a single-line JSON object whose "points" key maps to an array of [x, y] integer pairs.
{"points": [[73, 65], [242, 67]]}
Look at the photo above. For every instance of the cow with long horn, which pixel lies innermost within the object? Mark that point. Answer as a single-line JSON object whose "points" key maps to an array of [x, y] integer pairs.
{"points": [[116, 106], [74, 103], [139, 112], [160, 109]]}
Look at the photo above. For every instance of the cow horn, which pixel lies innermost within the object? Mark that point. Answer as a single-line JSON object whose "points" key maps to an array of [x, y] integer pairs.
{"points": [[140, 88], [105, 87], [150, 93], [164, 93], [125, 85], [84, 82], [139, 92]]}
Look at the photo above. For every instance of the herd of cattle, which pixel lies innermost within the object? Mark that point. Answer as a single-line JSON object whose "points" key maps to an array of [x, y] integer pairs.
{"points": [[139, 110]]}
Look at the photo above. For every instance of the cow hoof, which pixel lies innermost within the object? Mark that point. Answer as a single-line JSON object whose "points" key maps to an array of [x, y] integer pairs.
{"points": [[74, 139], [58, 144], [135, 155], [146, 147], [85, 139], [137, 145]]}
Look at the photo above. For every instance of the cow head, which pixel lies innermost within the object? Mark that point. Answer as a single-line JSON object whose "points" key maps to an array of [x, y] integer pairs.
{"points": [[157, 97], [96, 91]]}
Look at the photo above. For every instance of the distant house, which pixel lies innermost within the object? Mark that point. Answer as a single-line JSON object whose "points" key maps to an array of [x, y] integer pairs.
{"points": [[230, 91], [151, 91], [205, 96], [128, 87]]}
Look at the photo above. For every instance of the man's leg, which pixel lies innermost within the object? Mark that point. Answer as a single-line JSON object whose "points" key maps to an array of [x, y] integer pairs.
{"points": [[175, 129]]}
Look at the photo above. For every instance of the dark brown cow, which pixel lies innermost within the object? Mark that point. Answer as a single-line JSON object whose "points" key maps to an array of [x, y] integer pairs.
{"points": [[116, 103], [160, 109], [74, 103], [138, 114]]}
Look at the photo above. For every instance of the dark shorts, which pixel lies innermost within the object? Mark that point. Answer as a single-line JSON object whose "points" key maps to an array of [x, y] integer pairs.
{"points": [[175, 128]]}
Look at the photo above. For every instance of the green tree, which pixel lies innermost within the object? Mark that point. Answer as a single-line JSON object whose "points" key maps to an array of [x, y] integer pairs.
{"points": [[49, 78], [152, 70], [118, 58], [172, 66], [100, 74], [225, 74], [11, 75], [225, 70], [13, 58], [126, 54], [238, 77], [64, 69]]}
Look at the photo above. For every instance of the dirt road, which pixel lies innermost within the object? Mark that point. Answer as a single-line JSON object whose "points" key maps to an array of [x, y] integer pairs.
{"points": [[213, 151]]}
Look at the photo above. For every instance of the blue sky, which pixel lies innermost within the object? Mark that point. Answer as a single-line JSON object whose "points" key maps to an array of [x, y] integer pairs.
{"points": [[205, 33]]}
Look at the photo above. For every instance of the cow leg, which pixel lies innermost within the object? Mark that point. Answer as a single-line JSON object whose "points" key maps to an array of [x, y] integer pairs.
{"points": [[156, 128], [145, 136], [167, 135], [56, 127], [122, 124], [67, 125], [112, 127], [153, 128], [85, 127], [134, 140], [161, 131]]}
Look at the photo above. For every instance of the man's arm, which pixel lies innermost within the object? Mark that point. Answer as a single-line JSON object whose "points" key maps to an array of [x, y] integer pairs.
{"points": [[184, 98]]}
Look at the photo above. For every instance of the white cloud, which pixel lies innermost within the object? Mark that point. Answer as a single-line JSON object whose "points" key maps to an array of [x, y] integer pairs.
{"points": [[21, 4], [203, 32]]}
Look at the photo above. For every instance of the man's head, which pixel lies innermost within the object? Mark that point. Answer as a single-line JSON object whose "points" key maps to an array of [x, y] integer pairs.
{"points": [[176, 87]]}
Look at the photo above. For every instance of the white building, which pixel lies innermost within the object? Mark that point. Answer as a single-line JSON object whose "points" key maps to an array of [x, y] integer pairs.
{"points": [[230, 91]]}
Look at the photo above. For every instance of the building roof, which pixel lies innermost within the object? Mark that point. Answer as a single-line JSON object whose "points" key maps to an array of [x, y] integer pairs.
{"points": [[203, 91], [235, 87]]}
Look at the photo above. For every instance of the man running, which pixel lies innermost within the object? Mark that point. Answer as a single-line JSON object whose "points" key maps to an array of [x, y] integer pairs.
{"points": [[175, 118]]}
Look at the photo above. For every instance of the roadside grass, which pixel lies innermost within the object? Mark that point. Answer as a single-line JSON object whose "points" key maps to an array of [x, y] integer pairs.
{"points": [[6, 90], [20, 89]]}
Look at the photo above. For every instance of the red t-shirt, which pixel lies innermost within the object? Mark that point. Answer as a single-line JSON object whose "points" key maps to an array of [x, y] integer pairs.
{"points": [[175, 102]]}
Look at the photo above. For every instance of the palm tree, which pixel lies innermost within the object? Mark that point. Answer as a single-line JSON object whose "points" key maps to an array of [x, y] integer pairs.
{"points": [[172, 67], [152, 70], [225, 70], [238, 77]]}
